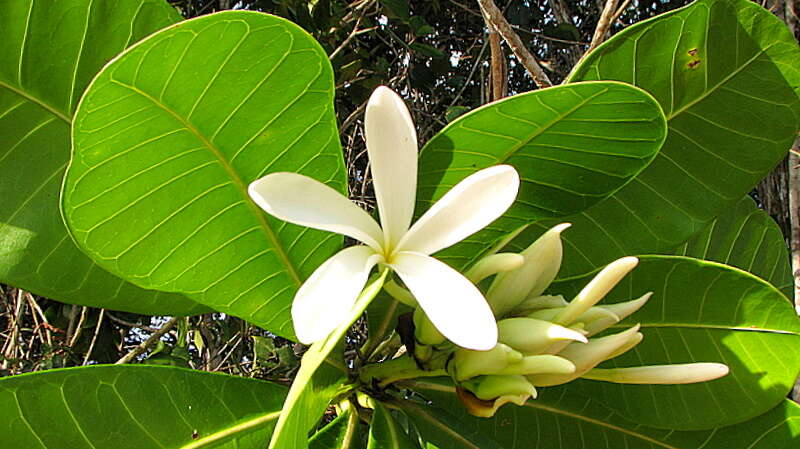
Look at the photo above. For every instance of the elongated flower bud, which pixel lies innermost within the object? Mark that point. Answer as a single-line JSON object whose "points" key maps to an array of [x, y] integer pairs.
{"points": [[532, 336], [596, 319], [468, 363], [660, 374], [496, 263], [542, 262], [586, 357], [531, 305], [488, 388], [483, 395], [625, 309], [540, 364], [424, 330], [596, 289]]}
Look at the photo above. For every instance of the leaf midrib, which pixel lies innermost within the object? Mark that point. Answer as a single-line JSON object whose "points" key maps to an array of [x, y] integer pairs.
{"points": [[241, 427], [709, 327], [38, 102], [256, 212]]}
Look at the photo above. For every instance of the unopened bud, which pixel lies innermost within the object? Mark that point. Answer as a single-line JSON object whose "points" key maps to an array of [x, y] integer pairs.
{"points": [[540, 364], [533, 336], [469, 363], [490, 387], [586, 357], [542, 262], [483, 395], [596, 289], [627, 308], [660, 374], [494, 264], [424, 330], [531, 305]]}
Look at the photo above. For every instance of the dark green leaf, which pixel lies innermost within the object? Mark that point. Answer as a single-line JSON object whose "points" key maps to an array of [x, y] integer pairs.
{"points": [[560, 418], [748, 238], [426, 50], [166, 140], [385, 432], [50, 52], [702, 312], [726, 74], [572, 145], [134, 406]]}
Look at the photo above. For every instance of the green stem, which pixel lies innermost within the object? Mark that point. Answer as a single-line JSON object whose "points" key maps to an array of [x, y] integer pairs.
{"points": [[394, 370]]}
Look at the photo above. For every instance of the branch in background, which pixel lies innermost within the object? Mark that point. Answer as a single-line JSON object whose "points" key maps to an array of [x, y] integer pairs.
{"points": [[794, 218], [600, 31], [493, 16], [153, 339], [499, 69]]}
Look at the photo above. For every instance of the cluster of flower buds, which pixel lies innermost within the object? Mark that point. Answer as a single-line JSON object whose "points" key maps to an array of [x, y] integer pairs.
{"points": [[545, 340]]}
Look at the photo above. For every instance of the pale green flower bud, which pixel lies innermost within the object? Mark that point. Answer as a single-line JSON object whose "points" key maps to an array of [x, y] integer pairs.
{"points": [[540, 364], [531, 305], [596, 320], [660, 374], [533, 336], [468, 363], [493, 264], [424, 330], [488, 388], [587, 356], [499, 390], [596, 289], [542, 262], [627, 308]]}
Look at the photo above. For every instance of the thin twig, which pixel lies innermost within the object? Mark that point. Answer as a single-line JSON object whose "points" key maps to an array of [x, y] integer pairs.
{"points": [[94, 337], [153, 339], [493, 15], [79, 328], [119, 320]]}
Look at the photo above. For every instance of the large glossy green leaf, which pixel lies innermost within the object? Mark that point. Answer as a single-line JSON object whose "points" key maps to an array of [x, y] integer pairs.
{"points": [[560, 418], [726, 74], [446, 430], [702, 312], [139, 407], [745, 237], [572, 145], [166, 140], [318, 382], [49, 54]]}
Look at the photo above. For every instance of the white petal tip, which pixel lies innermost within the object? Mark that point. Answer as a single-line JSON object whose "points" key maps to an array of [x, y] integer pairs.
{"points": [[559, 228]]}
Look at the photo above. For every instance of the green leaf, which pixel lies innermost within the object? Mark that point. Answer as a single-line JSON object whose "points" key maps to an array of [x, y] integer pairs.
{"points": [[166, 140], [313, 388], [40, 84], [702, 312], [446, 430], [341, 433], [560, 418], [385, 432], [725, 72], [745, 237], [572, 145], [137, 407]]}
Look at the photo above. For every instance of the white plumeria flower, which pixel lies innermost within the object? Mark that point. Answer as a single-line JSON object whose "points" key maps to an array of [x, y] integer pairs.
{"points": [[454, 305]]}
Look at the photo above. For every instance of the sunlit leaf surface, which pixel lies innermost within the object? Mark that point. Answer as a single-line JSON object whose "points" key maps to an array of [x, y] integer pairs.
{"points": [[166, 141], [40, 85]]}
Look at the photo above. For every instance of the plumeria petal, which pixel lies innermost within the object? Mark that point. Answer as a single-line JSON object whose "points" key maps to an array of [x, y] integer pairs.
{"points": [[392, 148], [467, 208], [455, 306], [687, 373], [305, 201], [325, 299]]}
